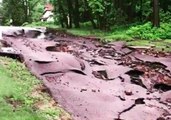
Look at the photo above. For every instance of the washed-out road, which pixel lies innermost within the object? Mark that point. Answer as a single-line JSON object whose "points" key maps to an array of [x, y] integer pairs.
{"points": [[92, 80]]}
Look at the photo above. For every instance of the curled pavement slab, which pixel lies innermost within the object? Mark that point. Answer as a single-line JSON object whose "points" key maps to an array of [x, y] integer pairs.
{"points": [[89, 79]]}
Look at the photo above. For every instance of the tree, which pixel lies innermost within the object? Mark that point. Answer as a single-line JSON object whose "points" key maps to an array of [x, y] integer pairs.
{"points": [[19, 11], [76, 14], [156, 19], [102, 14]]}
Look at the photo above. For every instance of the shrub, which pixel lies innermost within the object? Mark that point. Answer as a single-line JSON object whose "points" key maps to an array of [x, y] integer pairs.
{"points": [[146, 31], [165, 16]]}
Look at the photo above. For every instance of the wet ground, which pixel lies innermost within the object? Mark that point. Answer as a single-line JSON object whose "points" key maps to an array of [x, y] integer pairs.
{"points": [[96, 81]]}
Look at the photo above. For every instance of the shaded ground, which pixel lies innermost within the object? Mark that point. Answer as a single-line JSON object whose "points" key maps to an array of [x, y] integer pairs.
{"points": [[95, 81]]}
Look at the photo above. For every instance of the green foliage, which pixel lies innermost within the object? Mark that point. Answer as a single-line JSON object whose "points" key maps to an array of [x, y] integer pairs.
{"points": [[106, 14], [87, 32], [37, 12], [20, 11], [103, 14], [16, 100], [97, 6], [165, 16], [116, 33], [14, 86], [159, 45], [41, 24], [120, 33], [128, 33], [117, 37], [147, 10], [146, 31], [119, 17]]}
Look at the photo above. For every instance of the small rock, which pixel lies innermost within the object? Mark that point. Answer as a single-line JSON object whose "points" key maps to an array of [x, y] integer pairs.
{"points": [[161, 118], [166, 97], [83, 90], [94, 91], [128, 92]]}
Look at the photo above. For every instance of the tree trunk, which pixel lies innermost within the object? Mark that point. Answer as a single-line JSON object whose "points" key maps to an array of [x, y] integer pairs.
{"points": [[63, 16], [141, 10], [25, 8], [90, 14], [70, 11], [156, 19], [76, 14]]}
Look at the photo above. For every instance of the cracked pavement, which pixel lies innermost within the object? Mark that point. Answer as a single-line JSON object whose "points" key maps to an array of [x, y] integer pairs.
{"points": [[96, 81]]}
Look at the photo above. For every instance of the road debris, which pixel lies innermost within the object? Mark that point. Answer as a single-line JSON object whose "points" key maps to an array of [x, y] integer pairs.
{"points": [[95, 81]]}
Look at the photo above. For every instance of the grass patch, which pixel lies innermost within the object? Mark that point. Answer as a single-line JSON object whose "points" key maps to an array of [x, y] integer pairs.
{"points": [[22, 96], [104, 35], [133, 34], [15, 83], [161, 45], [119, 33], [42, 24], [87, 32], [116, 33]]}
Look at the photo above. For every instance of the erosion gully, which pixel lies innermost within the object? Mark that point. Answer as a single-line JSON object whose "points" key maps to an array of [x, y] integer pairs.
{"points": [[93, 80]]}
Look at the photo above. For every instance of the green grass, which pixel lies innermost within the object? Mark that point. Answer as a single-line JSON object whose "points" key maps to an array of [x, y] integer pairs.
{"points": [[42, 24], [87, 32], [104, 35], [120, 35], [14, 88], [161, 45], [117, 33], [16, 99]]}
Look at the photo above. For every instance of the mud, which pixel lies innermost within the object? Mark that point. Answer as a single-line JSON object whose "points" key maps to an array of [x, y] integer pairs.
{"points": [[96, 81]]}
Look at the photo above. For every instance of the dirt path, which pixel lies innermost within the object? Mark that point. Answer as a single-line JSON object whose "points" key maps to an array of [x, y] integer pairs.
{"points": [[93, 81]]}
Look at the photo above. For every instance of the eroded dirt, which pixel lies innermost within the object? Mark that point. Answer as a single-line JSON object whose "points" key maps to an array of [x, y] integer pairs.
{"points": [[95, 81]]}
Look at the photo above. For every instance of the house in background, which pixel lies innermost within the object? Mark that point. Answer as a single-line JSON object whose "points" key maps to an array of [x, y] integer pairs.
{"points": [[48, 13]]}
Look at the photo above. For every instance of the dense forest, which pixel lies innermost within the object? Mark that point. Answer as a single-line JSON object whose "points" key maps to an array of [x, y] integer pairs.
{"points": [[100, 14]]}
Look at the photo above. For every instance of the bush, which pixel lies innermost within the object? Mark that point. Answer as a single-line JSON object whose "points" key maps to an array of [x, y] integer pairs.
{"points": [[146, 31], [165, 16]]}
